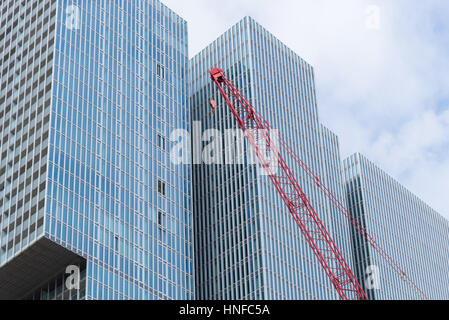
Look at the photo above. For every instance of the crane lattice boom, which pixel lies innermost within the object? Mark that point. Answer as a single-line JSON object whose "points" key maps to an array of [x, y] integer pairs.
{"points": [[256, 130]]}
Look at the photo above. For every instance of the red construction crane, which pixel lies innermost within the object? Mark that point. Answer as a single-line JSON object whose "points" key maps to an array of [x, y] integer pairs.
{"points": [[259, 133], [295, 199]]}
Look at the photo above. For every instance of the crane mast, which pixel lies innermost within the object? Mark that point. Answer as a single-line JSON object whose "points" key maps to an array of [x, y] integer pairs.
{"points": [[257, 132]]}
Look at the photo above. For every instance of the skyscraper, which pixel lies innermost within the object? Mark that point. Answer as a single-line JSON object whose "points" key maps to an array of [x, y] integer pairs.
{"points": [[247, 245], [90, 91], [412, 233]]}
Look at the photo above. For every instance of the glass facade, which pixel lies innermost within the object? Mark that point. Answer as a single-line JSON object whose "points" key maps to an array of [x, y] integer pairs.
{"points": [[247, 245], [413, 234], [90, 93]]}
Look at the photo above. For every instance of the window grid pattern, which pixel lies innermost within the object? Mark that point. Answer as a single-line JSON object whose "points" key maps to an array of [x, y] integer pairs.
{"points": [[104, 163], [412, 233], [26, 59], [88, 104]]}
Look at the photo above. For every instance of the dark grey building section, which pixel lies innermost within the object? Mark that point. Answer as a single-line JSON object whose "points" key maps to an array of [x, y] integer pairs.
{"points": [[32, 268]]}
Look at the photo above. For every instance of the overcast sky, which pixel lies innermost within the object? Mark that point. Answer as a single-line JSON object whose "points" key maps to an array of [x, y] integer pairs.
{"points": [[382, 74]]}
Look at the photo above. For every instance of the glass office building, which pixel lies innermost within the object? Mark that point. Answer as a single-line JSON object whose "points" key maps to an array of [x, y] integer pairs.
{"points": [[247, 245], [90, 91], [413, 234]]}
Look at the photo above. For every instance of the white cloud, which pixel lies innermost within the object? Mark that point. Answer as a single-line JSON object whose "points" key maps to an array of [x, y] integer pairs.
{"points": [[385, 92]]}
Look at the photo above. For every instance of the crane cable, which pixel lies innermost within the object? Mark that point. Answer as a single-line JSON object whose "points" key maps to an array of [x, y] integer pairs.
{"points": [[342, 209]]}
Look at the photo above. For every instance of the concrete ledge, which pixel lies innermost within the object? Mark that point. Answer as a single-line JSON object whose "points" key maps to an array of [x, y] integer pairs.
{"points": [[33, 267]]}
